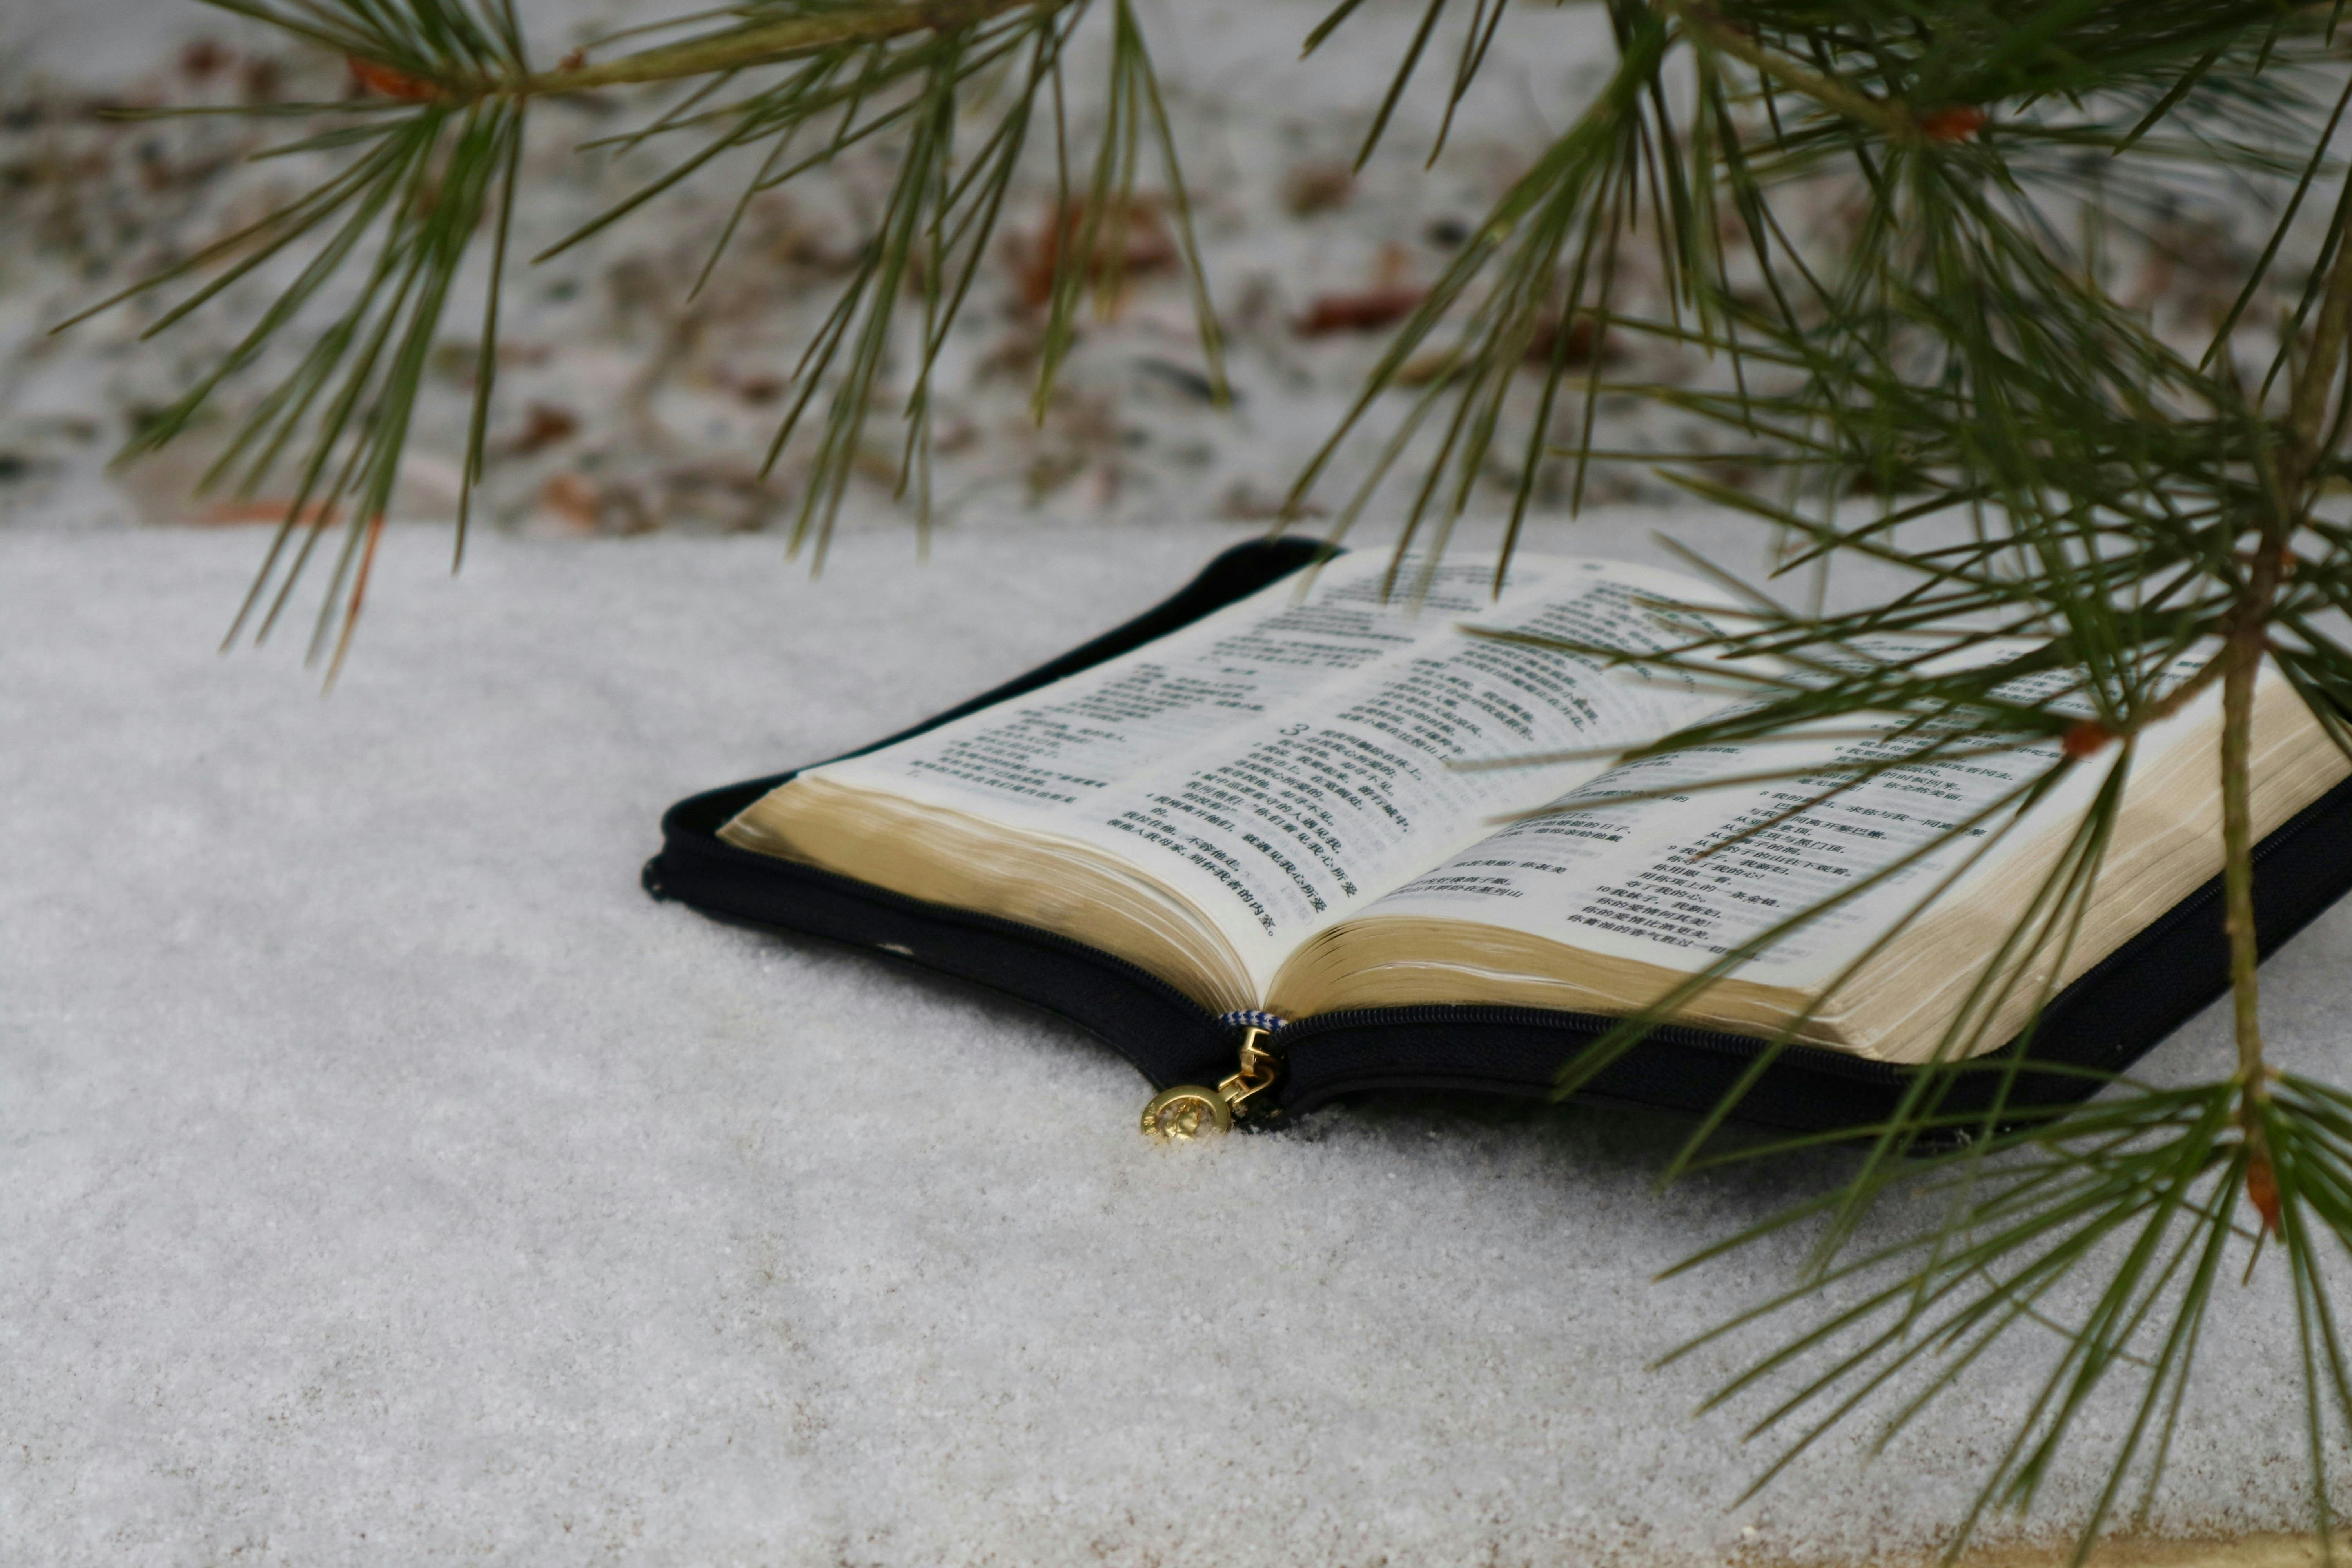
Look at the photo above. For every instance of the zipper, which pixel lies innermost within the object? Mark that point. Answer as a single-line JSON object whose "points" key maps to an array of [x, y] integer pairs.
{"points": [[1818, 1059], [1191, 1110], [1263, 1045], [1263, 1042], [1843, 1063], [709, 845]]}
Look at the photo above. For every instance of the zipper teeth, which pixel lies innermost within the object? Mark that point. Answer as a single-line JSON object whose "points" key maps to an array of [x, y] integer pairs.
{"points": [[875, 893], [1593, 1024], [1818, 1058], [1307, 1029]]}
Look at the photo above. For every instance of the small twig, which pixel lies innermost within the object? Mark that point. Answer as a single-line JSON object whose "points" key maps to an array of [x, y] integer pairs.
{"points": [[1891, 120], [740, 46]]}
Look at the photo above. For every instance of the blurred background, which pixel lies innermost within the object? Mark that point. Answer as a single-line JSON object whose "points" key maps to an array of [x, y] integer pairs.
{"points": [[622, 405]]}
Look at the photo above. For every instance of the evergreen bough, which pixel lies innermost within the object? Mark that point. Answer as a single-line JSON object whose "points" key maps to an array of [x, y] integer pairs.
{"points": [[1887, 218]]}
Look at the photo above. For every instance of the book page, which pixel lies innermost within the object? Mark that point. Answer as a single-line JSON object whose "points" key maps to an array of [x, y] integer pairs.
{"points": [[1283, 763], [1077, 737], [1684, 880]]}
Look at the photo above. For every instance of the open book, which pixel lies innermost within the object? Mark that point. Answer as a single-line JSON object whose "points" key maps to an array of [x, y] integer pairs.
{"points": [[1269, 809]]}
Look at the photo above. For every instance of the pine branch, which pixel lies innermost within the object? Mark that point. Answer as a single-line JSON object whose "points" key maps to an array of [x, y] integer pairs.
{"points": [[1860, 212], [767, 43], [440, 155]]}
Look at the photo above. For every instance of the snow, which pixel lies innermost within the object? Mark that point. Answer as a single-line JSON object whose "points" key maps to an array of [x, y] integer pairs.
{"points": [[388, 1179]]}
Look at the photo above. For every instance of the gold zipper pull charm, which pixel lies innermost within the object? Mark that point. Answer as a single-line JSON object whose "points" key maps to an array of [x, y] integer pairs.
{"points": [[1187, 1111], [1192, 1110]]}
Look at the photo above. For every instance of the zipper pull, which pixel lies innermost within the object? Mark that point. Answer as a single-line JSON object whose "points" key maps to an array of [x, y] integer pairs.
{"points": [[1191, 1110]]}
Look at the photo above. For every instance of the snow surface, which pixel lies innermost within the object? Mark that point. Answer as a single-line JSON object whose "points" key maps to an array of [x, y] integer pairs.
{"points": [[383, 1177]]}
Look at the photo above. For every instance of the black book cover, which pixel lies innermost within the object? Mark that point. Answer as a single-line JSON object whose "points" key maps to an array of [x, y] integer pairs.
{"points": [[2104, 1021]]}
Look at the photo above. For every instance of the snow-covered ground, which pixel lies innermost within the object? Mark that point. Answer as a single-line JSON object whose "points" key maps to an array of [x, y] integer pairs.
{"points": [[383, 1178]]}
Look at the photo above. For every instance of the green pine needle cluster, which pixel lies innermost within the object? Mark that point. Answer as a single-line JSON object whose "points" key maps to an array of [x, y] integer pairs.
{"points": [[1891, 223]]}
